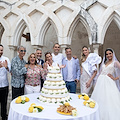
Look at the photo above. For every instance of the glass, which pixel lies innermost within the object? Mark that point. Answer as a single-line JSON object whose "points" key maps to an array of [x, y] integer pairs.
{"points": [[22, 50]]}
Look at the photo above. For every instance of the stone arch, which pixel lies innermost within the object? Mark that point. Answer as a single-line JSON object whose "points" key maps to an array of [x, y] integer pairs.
{"points": [[18, 32], [111, 39], [89, 24], [43, 29], [20, 27], [73, 26], [108, 17], [4, 24], [1, 31]]}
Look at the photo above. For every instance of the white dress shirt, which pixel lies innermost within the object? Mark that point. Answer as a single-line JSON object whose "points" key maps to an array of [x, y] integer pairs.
{"points": [[58, 58], [3, 72], [70, 70]]}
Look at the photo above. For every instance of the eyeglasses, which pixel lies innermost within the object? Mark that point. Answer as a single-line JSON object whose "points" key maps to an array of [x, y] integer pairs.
{"points": [[22, 50]]}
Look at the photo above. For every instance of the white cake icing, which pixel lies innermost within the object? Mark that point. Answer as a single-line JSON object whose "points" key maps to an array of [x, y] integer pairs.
{"points": [[54, 90], [54, 77], [53, 69], [54, 85]]}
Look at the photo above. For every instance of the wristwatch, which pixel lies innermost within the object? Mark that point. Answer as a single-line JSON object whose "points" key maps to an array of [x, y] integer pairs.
{"points": [[7, 67]]}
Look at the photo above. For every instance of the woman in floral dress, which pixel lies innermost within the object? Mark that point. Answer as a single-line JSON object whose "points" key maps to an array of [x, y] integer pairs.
{"points": [[34, 74]]}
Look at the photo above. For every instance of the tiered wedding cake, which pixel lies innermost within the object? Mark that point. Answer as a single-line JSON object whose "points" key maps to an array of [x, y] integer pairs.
{"points": [[54, 89]]}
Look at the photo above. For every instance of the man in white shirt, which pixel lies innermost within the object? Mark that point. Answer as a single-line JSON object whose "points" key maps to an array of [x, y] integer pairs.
{"points": [[71, 73], [56, 56], [5, 66]]}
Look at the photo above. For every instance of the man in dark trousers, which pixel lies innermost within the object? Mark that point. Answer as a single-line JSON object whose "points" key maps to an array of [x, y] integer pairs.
{"points": [[4, 85]]}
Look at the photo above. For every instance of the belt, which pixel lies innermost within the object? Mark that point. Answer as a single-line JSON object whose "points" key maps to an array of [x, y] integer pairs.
{"points": [[35, 85]]}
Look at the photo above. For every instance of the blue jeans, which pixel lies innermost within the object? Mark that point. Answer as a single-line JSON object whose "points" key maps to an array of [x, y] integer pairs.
{"points": [[71, 86]]}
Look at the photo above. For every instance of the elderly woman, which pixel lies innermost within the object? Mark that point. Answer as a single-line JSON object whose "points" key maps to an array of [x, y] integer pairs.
{"points": [[34, 74]]}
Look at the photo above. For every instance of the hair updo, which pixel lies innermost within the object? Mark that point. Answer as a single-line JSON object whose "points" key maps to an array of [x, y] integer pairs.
{"points": [[108, 49]]}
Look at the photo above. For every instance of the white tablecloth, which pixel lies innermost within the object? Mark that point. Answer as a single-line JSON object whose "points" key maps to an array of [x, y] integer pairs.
{"points": [[20, 111]]}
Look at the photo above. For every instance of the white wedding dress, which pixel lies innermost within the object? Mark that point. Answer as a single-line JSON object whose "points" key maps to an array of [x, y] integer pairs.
{"points": [[107, 95]]}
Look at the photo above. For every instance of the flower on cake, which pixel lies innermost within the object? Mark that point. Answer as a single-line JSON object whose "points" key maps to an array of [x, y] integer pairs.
{"points": [[22, 99], [34, 108], [46, 91], [50, 92], [83, 96]]}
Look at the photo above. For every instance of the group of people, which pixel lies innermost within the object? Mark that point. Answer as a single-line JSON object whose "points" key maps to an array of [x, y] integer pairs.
{"points": [[28, 77]]}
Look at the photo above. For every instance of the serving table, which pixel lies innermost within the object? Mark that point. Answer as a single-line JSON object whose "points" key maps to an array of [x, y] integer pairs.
{"points": [[20, 111]]}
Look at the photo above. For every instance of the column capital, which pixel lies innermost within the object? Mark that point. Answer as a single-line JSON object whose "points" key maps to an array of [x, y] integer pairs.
{"points": [[96, 48], [37, 46], [63, 46], [11, 47]]}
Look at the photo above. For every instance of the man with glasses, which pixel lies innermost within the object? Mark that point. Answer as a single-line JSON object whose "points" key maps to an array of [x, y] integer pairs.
{"points": [[18, 71], [4, 85]]}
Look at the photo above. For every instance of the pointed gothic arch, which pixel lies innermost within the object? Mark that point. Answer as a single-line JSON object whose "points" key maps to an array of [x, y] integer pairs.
{"points": [[89, 24], [47, 23], [113, 16], [1, 31], [18, 31]]}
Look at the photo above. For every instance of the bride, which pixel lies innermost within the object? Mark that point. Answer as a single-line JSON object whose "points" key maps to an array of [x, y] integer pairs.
{"points": [[106, 93]]}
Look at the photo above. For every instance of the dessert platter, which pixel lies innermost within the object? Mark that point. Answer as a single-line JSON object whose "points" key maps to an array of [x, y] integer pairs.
{"points": [[54, 90], [67, 109]]}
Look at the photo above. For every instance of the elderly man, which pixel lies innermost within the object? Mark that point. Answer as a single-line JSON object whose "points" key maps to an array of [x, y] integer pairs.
{"points": [[71, 73], [18, 71], [4, 85]]}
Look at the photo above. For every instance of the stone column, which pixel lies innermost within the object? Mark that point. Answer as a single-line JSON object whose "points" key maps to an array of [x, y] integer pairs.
{"points": [[96, 48], [63, 49], [37, 47], [12, 52]]}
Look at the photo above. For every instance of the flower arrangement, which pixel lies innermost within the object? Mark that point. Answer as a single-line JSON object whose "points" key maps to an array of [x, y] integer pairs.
{"points": [[67, 109], [22, 99], [34, 108], [89, 103], [83, 96]]}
